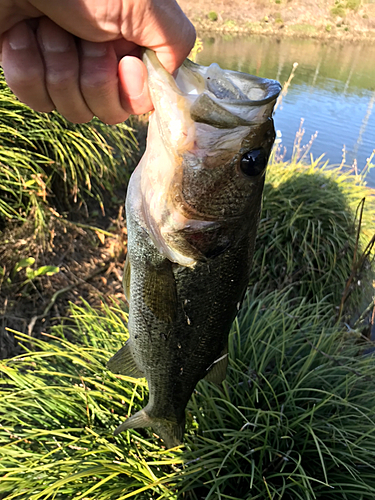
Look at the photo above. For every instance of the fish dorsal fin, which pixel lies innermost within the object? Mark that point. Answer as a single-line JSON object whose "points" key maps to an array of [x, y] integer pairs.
{"points": [[218, 369], [126, 279], [123, 363]]}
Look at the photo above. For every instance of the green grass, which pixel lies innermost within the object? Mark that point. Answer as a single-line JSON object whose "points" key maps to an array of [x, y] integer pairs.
{"points": [[307, 237], [253, 25], [353, 4], [295, 419], [303, 28], [296, 416], [46, 160], [230, 23], [59, 407], [338, 10], [212, 16]]}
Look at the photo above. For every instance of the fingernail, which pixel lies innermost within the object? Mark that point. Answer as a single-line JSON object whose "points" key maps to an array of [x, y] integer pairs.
{"points": [[94, 49], [20, 36], [56, 41], [134, 76]]}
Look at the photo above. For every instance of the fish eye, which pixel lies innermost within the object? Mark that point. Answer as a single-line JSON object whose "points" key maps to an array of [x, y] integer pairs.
{"points": [[253, 162]]}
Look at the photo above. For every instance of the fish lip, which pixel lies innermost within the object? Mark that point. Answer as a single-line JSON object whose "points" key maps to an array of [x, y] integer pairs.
{"points": [[272, 87]]}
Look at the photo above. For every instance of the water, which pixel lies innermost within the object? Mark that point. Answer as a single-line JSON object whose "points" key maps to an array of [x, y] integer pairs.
{"points": [[333, 90]]}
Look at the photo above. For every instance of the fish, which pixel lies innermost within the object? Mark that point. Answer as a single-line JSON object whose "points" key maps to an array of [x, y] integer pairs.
{"points": [[192, 210]]}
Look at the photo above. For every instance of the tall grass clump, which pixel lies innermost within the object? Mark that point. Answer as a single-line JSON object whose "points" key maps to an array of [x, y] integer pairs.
{"points": [[295, 418], [44, 159], [313, 232], [58, 409]]}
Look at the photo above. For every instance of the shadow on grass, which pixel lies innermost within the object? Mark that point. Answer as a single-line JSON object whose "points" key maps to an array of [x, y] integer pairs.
{"points": [[307, 238]]}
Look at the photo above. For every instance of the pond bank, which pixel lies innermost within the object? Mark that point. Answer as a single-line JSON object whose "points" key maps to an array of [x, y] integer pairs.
{"points": [[351, 20]]}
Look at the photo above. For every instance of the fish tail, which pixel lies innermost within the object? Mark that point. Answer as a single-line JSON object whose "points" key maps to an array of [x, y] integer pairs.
{"points": [[170, 432]]}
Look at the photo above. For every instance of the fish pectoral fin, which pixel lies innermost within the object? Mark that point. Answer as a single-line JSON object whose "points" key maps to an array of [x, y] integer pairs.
{"points": [[122, 363], [218, 369], [126, 279], [170, 432], [160, 292]]}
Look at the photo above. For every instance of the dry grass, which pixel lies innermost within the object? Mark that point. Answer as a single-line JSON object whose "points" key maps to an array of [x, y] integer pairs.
{"points": [[279, 17]]}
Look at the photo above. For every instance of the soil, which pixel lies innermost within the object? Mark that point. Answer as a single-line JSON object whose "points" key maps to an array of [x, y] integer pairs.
{"points": [[90, 266], [347, 19]]}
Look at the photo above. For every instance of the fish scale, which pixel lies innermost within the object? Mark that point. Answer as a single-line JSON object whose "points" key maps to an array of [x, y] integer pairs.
{"points": [[192, 210]]}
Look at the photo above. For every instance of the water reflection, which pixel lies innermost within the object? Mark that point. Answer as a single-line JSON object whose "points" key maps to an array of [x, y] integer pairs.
{"points": [[333, 89]]}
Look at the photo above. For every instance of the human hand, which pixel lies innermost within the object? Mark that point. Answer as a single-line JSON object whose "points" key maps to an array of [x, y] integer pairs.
{"points": [[81, 57]]}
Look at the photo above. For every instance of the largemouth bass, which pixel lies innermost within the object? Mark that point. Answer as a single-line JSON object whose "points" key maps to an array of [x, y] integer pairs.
{"points": [[192, 210]]}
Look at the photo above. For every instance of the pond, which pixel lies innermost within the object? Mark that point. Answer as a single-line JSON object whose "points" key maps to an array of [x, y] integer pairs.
{"points": [[333, 90]]}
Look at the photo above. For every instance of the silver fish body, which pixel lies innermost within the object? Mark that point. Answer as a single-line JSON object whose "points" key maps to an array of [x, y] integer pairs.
{"points": [[192, 211]]}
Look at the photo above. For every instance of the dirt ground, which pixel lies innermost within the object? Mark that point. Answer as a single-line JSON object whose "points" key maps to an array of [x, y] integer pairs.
{"points": [[349, 19], [90, 266]]}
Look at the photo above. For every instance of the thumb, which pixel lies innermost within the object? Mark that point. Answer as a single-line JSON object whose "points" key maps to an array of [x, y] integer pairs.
{"points": [[134, 93], [166, 30]]}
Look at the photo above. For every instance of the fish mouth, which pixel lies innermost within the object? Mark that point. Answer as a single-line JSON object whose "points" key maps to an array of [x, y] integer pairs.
{"points": [[218, 97]]}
